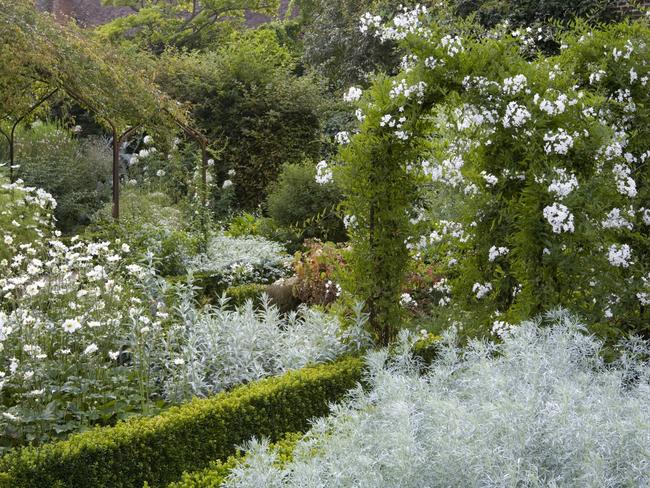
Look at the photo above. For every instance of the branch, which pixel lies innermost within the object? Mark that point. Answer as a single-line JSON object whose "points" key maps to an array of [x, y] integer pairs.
{"points": [[32, 108]]}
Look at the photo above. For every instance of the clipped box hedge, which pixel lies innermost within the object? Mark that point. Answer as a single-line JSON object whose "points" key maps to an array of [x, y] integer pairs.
{"points": [[186, 438]]}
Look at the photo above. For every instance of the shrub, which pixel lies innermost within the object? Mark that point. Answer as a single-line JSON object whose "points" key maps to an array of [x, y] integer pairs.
{"points": [[219, 347], [240, 294], [159, 449], [76, 172], [241, 260], [218, 471], [150, 223], [546, 162], [248, 92], [539, 409], [296, 201], [317, 269]]}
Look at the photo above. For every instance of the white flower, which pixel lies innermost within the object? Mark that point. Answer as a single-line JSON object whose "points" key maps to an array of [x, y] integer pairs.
{"points": [[8, 239], [113, 355], [624, 183], [324, 175], [558, 142], [179, 361], [560, 218], [342, 137], [226, 184], [160, 173], [148, 140], [231, 172], [516, 115], [134, 268], [496, 252], [144, 153], [94, 324], [71, 325], [615, 220], [563, 184], [482, 289], [126, 248], [620, 256], [407, 300], [353, 94], [92, 348]]}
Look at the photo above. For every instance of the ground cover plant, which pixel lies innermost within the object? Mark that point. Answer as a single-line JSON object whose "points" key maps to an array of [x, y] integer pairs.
{"points": [[540, 408]]}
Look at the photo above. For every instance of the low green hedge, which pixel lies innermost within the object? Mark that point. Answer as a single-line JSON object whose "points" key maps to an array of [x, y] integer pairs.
{"points": [[159, 449], [241, 293], [218, 471]]}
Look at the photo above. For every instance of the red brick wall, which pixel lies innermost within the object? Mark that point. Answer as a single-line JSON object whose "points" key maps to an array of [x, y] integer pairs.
{"points": [[625, 6]]}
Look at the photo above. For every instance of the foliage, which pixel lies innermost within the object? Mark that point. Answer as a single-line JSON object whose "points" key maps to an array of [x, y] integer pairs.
{"points": [[544, 160], [334, 46], [529, 12], [542, 407], [244, 224], [150, 224], [240, 294], [159, 449], [240, 260], [156, 25], [75, 171], [317, 270], [218, 471], [295, 200], [255, 112], [219, 347]]}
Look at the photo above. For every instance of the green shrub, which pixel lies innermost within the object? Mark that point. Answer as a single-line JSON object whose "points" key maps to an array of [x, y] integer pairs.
{"points": [[159, 449], [241, 293], [244, 224], [150, 222], [297, 201], [76, 172], [218, 471]]}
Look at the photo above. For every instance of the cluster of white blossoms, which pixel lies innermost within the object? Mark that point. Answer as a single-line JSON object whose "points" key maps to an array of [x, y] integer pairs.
{"points": [[516, 115], [453, 45], [559, 142], [620, 256], [353, 94], [324, 173], [496, 252], [560, 218], [447, 172], [481, 290], [406, 300], [616, 220], [501, 328], [563, 183], [514, 85], [556, 107], [342, 137], [625, 184], [403, 89]]}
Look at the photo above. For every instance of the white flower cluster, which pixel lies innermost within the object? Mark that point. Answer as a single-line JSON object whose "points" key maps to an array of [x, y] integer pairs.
{"points": [[563, 183], [406, 300], [560, 218], [615, 219], [453, 45], [620, 256], [342, 137], [324, 173], [624, 182], [559, 142], [447, 172], [516, 115], [403, 89], [481, 290], [515, 85], [353, 94], [556, 107], [496, 252]]}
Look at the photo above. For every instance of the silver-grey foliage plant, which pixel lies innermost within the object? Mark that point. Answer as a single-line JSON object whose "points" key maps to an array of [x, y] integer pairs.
{"points": [[539, 409], [222, 346]]}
